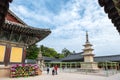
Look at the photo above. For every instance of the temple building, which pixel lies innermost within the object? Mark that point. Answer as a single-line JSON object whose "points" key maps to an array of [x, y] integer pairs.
{"points": [[112, 8], [75, 60], [15, 37], [85, 60]]}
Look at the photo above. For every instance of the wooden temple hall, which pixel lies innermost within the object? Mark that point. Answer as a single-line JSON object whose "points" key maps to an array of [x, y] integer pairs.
{"points": [[15, 37]]}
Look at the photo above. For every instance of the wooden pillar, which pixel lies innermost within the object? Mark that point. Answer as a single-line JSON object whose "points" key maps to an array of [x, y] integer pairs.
{"points": [[106, 66], [118, 66], [61, 66], [24, 55], [102, 65], [7, 55], [70, 65], [76, 65], [80, 65], [66, 64], [111, 66]]}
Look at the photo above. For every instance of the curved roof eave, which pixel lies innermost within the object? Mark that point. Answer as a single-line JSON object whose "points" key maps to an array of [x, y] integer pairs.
{"points": [[28, 30]]}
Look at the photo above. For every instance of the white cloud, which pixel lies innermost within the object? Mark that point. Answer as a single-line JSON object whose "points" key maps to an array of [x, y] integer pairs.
{"points": [[70, 24]]}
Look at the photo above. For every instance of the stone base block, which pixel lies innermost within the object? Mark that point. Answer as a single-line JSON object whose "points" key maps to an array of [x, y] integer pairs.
{"points": [[4, 71], [89, 67], [89, 70], [39, 72]]}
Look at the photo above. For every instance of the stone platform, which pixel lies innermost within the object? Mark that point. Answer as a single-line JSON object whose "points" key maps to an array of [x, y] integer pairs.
{"points": [[67, 76], [89, 66], [4, 71]]}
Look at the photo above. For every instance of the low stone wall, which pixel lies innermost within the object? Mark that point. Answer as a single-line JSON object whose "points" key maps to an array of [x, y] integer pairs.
{"points": [[24, 70], [39, 72], [4, 71]]}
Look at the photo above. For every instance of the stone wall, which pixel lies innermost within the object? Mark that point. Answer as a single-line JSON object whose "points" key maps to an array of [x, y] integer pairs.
{"points": [[4, 71]]}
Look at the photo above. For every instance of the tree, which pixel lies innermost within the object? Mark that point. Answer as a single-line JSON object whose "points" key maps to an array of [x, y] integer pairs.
{"points": [[61, 56], [32, 52], [48, 52], [66, 52], [58, 56], [73, 52]]}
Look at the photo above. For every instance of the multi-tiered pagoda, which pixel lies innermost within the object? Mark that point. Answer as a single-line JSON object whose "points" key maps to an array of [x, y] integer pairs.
{"points": [[88, 63]]}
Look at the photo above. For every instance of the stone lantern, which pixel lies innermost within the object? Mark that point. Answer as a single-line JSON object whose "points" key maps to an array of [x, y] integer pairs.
{"points": [[40, 60]]}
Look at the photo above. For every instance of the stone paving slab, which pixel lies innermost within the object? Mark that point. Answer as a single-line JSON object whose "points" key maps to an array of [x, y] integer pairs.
{"points": [[67, 76]]}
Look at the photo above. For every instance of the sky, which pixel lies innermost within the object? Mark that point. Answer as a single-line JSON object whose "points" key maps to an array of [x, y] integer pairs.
{"points": [[69, 20]]}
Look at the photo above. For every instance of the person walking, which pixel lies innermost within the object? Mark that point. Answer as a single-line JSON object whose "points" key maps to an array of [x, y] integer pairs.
{"points": [[56, 69], [53, 71], [48, 69]]}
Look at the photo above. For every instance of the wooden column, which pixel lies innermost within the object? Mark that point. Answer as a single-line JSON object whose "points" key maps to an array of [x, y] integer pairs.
{"points": [[24, 55], [7, 55]]}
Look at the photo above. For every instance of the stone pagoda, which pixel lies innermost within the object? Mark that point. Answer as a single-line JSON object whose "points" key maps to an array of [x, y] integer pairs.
{"points": [[88, 63]]}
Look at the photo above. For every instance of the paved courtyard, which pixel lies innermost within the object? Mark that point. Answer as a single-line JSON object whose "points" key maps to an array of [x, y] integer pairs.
{"points": [[67, 76]]}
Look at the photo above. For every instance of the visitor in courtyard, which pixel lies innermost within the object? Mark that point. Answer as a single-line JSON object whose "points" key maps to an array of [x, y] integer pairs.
{"points": [[48, 69], [53, 71], [56, 68], [63, 67]]}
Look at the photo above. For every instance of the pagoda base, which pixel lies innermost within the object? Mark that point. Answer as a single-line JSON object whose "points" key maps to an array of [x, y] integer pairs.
{"points": [[89, 67]]}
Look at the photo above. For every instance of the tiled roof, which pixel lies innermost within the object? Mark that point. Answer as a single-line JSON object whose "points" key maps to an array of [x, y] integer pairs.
{"points": [[24, 28], [16, 17], [56, 60], [73, 57], [48, 58], [38, 33], [30, 61], [107, 58], [78, 57], [110, 9]]}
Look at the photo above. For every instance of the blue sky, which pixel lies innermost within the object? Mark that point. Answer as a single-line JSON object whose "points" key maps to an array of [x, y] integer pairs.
{"points": [[68, 21]]}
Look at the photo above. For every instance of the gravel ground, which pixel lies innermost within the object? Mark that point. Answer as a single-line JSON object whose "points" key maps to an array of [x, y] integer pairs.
{"points": [[67, 76]]}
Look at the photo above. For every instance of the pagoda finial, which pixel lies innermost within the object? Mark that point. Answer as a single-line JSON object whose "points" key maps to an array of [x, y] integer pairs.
{"points": [[87, 39]]}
